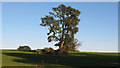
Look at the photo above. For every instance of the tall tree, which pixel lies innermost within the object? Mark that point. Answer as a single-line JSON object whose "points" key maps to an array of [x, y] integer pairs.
{"points": [[62, 24]]}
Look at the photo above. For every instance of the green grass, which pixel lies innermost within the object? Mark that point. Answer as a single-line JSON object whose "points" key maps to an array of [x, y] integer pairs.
{"points": [[21, 58]]}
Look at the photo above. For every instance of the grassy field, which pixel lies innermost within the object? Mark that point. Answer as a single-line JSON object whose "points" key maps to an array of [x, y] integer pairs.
{"points": [[21, 58]]}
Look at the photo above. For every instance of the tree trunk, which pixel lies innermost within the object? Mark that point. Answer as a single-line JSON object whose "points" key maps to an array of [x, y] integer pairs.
{"points": [[61, 45], [60, 48]]}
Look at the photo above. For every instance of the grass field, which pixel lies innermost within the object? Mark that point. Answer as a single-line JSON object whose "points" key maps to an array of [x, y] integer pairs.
{"points": [[21, 58]]}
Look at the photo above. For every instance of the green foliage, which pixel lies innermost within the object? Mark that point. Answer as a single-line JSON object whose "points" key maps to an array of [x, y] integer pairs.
{"points": [[38, 51], [62, 24], [73, 45], [48, 51], [24, 48]]}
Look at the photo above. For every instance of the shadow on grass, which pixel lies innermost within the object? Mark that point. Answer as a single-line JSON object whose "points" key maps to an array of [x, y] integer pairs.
{"points": [[66, 60]]}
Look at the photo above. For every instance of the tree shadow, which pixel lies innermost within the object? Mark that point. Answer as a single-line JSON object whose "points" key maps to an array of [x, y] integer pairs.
{"points": [[66, 60]]}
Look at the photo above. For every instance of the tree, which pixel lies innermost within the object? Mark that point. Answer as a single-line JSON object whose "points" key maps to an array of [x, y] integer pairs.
{"points": [[73, 45], [62, 25]]}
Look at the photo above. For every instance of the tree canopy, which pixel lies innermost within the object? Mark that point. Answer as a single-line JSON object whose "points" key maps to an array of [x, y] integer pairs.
{"points": [[62, 24]]}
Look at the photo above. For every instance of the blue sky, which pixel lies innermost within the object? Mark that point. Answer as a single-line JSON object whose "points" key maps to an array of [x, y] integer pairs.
{"points": [[98, 28]]}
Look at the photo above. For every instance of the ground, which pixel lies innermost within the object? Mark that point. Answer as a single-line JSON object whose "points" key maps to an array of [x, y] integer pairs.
{"points": [[74, 59]]}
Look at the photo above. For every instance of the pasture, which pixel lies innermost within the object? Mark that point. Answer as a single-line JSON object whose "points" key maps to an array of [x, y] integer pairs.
{"points": [[74, 59]]}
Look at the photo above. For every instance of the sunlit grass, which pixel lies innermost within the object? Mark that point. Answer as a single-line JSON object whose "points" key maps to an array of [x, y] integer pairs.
{"points": [[22, 58]]}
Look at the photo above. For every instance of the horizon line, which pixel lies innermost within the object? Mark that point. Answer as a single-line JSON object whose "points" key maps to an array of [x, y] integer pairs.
{"points": [[53, 48]]}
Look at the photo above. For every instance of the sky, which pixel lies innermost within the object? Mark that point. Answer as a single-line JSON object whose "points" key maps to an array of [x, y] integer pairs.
{"points": [[98, 26], [60, 0]]}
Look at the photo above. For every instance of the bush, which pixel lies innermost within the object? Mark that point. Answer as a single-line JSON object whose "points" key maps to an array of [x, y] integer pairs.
{"points": [[38, 51], [51, 51], [48, 51], [24, 48]]}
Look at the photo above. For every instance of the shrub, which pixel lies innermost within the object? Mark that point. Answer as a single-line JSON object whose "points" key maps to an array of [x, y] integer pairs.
{"points": [[48, 51], [38, 51], [51, 51], [24, 48]]}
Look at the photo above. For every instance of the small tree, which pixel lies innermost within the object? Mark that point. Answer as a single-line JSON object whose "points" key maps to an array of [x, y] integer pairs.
{"points": [[62, 25], [73, 45]]}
